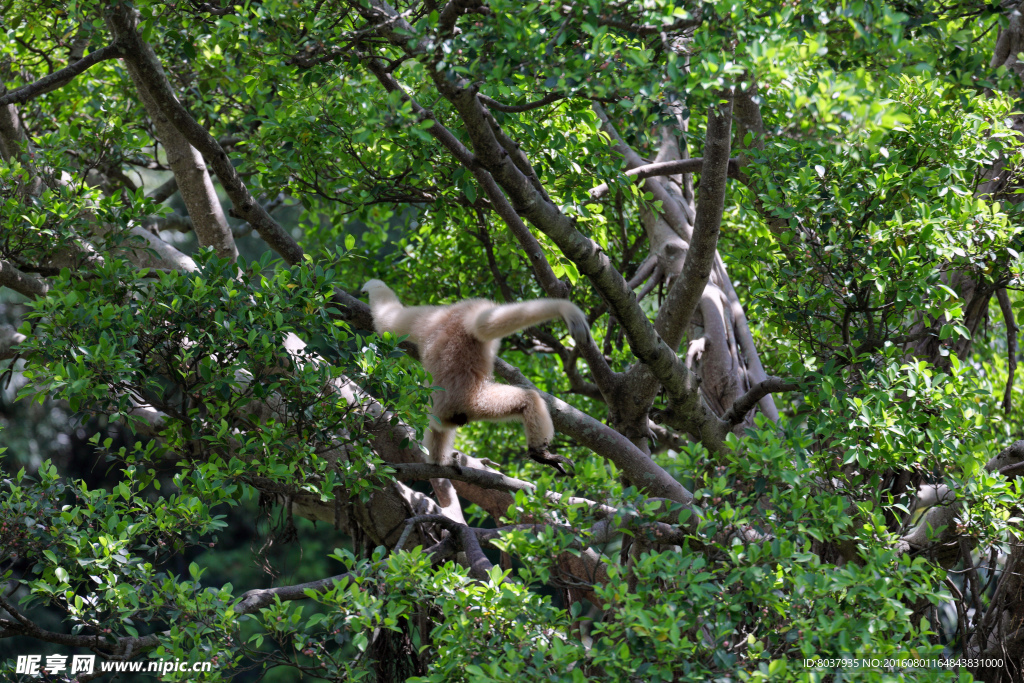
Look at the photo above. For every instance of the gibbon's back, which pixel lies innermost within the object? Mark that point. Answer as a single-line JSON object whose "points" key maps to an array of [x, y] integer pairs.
{"points": [[451, 353]]}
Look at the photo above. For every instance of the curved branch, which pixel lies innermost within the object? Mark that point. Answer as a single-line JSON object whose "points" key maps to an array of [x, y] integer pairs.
{"points": [[257, 599], [479, 565], [664, 168], [451, 12], [745, 403]]}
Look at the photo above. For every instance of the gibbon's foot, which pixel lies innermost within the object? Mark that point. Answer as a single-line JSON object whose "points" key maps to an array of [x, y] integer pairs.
{"points": [[542, 455]]}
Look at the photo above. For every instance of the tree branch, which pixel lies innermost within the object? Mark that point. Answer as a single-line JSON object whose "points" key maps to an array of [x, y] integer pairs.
{"points": [[670, 208], [479, 565], [215, 10], [531, 247], [648, 29], [419, 471], [9, 337], [193, 179], [59, 78], [455, 9], [24, 626], [165, 191], [605, 441], [519, 108], [257, 599]]}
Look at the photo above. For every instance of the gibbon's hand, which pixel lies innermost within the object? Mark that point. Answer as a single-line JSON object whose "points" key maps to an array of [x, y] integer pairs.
{"points": [[372, 285]]}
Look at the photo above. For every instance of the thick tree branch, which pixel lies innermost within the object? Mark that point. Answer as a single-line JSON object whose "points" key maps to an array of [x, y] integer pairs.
{"points": [[517, 155], [454, 9], [193, 180], [419, 471], [59, 78], [165, 191], [479, 565], [9, 337], [13, 141], [697, 419], [23, 283]]}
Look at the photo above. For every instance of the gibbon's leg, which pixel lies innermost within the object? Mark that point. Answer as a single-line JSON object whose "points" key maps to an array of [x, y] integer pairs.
{"points": [[497, 402], [439, 445], [499, 321]]}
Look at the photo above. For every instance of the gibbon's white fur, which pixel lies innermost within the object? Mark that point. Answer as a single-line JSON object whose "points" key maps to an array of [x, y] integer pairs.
{"points": [[457, 345]]}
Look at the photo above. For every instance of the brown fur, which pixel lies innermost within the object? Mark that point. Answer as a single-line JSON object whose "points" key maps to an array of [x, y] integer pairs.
{"points": [[457, 346]]}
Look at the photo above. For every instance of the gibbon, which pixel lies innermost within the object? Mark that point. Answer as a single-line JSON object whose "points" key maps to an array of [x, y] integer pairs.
{"points": [[457, 345]]}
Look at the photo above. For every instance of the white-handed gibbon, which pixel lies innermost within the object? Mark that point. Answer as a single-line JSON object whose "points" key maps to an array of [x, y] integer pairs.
{"points": [[457, 345]]}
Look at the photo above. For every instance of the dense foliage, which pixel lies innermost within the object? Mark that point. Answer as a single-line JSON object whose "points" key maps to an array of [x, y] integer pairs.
{"points": [[793, 226]]}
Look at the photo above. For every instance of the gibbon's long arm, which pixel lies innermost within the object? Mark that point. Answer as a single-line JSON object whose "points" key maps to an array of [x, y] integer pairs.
{"points": [[497, 322], [389, 315], [401, 320]]}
